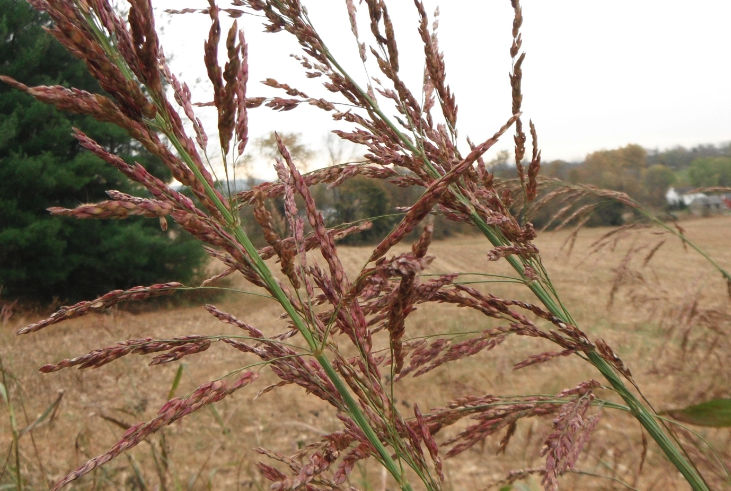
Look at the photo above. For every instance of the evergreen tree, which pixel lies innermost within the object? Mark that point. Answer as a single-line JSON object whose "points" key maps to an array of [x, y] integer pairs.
{"points": [[42, 165], [358, 199]]}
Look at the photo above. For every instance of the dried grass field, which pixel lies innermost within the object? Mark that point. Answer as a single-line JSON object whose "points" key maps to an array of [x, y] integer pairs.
{"points": [[668, 320]]}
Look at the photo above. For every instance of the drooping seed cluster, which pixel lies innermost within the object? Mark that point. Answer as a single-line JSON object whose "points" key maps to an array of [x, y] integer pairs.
{"points": [[118, 209], [176, 349], [571, 432], [105, 301]]}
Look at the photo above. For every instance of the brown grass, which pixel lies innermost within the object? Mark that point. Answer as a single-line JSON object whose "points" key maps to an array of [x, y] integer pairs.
{"points": [[210, 450]]}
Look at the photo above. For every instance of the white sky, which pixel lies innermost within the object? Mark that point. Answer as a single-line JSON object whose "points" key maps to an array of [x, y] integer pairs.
{"points": [[597, 75]]}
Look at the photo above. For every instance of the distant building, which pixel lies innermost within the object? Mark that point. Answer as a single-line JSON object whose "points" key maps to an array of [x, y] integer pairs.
{"points": [[708, 205], [682, 196], [698, 203]]}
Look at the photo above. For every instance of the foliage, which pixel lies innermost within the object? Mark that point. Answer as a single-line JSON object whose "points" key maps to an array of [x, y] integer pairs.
{"points": [[619, 169], [624, 169], [42, 165], [358, 199], [656, 180], [558, 169], [710, 413], [301, 153], [710, 171], [644, 175], [379, 201], [680, 158]]}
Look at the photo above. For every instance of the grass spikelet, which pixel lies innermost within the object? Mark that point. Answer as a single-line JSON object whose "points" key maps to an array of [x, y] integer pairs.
{"points": [[105, 301]]}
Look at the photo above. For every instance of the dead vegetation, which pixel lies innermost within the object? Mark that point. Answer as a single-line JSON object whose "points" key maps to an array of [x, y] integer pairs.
{"points": [[679, 355]]}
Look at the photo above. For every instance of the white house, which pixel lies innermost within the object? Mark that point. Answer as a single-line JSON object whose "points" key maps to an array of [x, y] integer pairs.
{"points": [[675, 197]]}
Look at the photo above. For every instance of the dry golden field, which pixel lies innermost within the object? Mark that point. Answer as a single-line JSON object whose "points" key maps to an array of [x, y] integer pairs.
{"points": [[669, 321]]}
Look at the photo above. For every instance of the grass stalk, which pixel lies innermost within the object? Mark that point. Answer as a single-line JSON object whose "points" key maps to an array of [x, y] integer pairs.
{"points": [[611, 478], [258, 264], [643, 415], [13, 428]]}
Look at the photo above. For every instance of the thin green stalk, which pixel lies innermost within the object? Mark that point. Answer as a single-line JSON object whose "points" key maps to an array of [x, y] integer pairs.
{"points": [[612, 478], [713, 450], [185, 288], [30, 425], [13, 428], [487, 281]]}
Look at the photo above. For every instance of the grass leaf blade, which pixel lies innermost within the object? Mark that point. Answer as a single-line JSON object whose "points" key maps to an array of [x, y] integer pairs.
{"points": [[715, 413], [176, 381]]}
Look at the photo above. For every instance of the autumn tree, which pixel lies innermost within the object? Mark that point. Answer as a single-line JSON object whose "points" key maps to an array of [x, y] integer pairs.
{"points": [[619, 169], [300, 152], [656, 180]]}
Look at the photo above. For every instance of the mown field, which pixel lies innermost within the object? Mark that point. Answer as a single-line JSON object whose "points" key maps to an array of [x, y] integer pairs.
{"points": [[668, 320]]}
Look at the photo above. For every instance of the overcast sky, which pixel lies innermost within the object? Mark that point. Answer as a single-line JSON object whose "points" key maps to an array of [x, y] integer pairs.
{"points": [[598, 74]]}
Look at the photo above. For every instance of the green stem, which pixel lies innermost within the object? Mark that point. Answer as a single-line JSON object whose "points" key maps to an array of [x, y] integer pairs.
{"points": [[643, 415], [611, 478], [13, 429], [650, 424]]}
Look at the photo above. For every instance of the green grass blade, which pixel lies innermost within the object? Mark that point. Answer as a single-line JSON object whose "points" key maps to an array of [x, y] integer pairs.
{"points": [[49, 410], [176, 381], [715, 413]]}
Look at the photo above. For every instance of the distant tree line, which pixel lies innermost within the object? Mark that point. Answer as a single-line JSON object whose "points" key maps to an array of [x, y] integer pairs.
{"points": [[644, 175]]}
